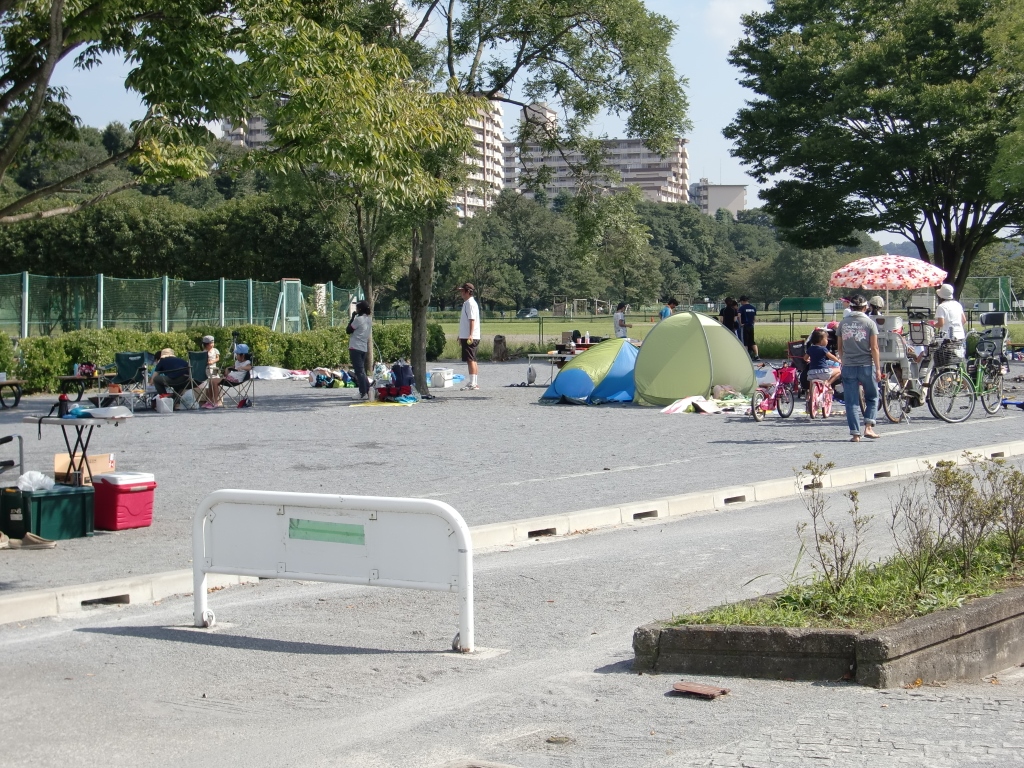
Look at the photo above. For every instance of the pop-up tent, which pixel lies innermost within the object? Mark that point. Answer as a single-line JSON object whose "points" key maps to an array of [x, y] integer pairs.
{"points": [[688, 354], [602, 374]]}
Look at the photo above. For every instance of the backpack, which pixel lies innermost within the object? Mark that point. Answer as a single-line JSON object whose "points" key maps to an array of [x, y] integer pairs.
{"points": [[402, 375], [322, 380]]}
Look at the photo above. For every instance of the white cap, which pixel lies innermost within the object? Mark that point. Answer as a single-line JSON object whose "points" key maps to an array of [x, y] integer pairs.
{"points": [[945, 291]]}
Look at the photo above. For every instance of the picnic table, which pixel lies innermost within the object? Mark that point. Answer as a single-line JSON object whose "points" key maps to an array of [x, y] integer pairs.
{"points": [[78, 449], [78, 385], [13, 397]]}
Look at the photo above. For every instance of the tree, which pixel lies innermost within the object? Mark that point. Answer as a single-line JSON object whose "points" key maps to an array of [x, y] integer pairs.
{"points": [[583, 56], [880, 117]]}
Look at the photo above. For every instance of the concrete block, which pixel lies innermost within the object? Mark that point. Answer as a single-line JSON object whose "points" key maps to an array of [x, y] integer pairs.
{"points": [[539, 527], [1015, 448], [847, 476], [906, 467], [739, 494], [688, 503], [881, 471], [28, 605], [781, 489], [492, 535], [644, 510], [594, 518]]}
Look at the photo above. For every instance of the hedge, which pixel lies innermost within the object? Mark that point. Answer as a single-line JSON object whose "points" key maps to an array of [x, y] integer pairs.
{"points": [[44, 358]]}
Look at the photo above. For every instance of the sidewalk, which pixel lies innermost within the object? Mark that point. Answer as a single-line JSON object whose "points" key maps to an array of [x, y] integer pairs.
{"points": [[327, 675]]}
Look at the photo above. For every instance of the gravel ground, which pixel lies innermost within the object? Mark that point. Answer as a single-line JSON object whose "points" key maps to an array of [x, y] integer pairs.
{"points": [[495, 455], [327, 675]]}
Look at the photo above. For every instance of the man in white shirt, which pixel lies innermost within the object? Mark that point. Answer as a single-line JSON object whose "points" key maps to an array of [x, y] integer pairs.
{"points": [[469, 332], [619, 321], [950, 317]]}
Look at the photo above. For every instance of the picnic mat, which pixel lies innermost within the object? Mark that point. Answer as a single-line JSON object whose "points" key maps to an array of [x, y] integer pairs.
{"points": [[376, 402]]}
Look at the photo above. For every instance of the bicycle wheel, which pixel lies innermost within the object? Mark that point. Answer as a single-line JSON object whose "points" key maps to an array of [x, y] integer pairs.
{"points": [[991, 394], [891, 395], [951, 396], [756, 400], [784, 401]]}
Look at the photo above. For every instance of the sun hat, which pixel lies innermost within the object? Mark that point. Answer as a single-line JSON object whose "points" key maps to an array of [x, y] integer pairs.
{"points": [[877, 301], [208, 339], [167, 352], [241, 349], [945, 291]]}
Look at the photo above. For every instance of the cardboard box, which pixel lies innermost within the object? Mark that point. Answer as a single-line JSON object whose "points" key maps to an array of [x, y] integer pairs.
{"points": [[566, 337], [99, 464]]}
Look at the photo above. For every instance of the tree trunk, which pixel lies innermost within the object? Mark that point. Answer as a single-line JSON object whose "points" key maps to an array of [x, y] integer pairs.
{"points": [[421, 276]]}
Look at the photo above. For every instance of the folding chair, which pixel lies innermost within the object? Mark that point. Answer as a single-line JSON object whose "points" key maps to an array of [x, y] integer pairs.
{"points": [[197, 378], [132, 375], [237, 392]]}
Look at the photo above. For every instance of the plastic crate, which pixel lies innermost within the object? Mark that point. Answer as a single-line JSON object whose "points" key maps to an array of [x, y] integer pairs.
{"points": [[124, 500], [62, 512], [892, 348], [921, 332]]}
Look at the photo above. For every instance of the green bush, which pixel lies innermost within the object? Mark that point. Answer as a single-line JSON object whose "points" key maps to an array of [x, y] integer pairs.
{"points": [[43, 359], [7, 358], [326, 347], [435, 340], [393, 340], [267, 346]]}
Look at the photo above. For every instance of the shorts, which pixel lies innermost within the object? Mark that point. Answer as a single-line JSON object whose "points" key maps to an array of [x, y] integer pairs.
{"points": [[469, 349], [820, 375], [748, 335]]}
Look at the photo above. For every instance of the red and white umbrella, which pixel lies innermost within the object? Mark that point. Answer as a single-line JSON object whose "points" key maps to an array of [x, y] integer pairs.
{"points": [[888, 273]]}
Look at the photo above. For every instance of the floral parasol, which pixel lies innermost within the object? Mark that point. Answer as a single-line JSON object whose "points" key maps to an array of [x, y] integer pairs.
{"points": [[888, 273]]}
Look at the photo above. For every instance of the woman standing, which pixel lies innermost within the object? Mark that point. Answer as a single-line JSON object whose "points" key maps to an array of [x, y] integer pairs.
{"points": [[359, 345]]}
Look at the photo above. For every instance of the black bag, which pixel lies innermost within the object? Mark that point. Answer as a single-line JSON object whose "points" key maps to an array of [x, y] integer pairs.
{"points": [[350, 329], [403, 375]]}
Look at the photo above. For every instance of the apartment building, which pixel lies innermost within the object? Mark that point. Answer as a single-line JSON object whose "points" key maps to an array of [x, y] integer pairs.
{"points": [[661, 178], [487, 174], [252, 133], [711, 197]]}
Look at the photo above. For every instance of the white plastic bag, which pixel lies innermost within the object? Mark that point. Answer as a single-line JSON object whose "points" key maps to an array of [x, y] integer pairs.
{"points": [[164, 405], [188, 400], [35, 481]]}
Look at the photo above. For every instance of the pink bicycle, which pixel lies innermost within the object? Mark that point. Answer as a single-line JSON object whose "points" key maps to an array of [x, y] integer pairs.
{"points": [[778, 396]]}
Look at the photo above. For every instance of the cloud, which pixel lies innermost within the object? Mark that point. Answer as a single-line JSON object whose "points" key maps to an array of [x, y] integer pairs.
{"points": [[722, 18]]}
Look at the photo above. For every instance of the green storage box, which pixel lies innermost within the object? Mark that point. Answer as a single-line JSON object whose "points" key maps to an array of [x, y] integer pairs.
{"points": [[62, 512]]}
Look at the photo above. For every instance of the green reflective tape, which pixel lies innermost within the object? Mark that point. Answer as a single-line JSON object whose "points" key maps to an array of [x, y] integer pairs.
{"points": [[335, 533]]}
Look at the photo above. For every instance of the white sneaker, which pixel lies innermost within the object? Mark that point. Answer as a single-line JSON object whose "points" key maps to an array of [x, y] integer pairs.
{"points": [[470, 387]]}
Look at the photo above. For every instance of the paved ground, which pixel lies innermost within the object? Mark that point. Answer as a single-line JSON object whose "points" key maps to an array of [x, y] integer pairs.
{"points": [[326, 675], [495, 455]]}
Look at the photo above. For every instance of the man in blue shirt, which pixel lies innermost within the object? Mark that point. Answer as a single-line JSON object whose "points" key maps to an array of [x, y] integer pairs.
{"points": [[747, 315], [170, 372], [669, 309]]}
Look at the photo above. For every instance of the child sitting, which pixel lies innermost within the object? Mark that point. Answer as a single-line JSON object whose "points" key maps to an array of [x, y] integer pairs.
{"points": [[822, 365]]}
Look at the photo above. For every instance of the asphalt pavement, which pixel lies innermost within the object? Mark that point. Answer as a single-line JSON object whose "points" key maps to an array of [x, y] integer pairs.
{"points": [[495, 455], [327, 675]]}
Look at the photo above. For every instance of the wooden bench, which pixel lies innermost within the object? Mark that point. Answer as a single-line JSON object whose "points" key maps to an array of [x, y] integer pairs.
{"points": [[12, 398]]}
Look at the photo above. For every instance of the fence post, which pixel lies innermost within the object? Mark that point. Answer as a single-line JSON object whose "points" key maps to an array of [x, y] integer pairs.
{"points": [[250, 300], [99, 301], [164, 304], [540, 331], [330, 299], [222, 302], [24, 305]]}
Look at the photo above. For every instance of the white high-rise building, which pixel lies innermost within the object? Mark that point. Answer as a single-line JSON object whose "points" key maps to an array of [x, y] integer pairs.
{"points": [[661, 178], [711, 197], [252, 133], [487, 174]]}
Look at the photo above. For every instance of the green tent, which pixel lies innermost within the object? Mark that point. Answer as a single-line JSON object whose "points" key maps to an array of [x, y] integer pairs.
{"points": [[688, 354]]}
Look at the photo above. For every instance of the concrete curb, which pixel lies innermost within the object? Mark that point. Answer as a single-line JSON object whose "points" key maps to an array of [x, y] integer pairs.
{"points": [[23, 606]]}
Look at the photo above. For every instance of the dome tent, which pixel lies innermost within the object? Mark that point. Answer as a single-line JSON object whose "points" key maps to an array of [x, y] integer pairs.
{"points": [[602, 374], [688, 354]]}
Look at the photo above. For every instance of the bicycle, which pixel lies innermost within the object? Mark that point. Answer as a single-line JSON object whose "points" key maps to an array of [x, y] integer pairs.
{"points": [[779, 396]]}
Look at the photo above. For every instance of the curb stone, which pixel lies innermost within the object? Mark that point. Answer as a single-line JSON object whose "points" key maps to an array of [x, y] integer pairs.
{"points": [[23, 606]]}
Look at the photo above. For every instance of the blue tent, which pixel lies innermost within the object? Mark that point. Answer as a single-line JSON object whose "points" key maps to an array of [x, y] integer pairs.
{"points": [[602, 374]]}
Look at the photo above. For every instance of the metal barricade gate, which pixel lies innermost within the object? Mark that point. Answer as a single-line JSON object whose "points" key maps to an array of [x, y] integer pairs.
{"points": [[366, 540]]}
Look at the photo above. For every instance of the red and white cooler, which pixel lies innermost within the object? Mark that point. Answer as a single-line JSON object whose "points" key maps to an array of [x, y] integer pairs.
{"points": [[123, 500]]}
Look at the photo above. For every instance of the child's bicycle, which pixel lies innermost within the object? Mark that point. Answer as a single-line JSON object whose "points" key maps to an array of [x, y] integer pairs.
{"points": [[779, 396], [819, 398]]}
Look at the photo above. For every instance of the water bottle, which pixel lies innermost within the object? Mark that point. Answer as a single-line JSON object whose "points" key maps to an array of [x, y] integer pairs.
{"points": [[586, 337]]}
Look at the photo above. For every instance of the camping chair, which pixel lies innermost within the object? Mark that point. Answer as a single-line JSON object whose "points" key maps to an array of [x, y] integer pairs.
{"points": [[132, 375], [197, 378], [236, 392]]}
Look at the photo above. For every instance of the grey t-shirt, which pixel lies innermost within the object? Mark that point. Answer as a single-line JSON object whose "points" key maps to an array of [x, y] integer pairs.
{"points": [[856, 330]]}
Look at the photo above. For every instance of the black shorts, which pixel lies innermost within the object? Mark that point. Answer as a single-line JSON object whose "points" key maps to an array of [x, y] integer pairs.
{"points": [[748, 335], [469, 349]]}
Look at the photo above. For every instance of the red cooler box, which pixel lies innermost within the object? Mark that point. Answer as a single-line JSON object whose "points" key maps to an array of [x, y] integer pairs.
{"points": [[123, 500]]}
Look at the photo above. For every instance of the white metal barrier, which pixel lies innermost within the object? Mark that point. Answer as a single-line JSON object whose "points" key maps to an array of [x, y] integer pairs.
{"points": [[371, 540]]}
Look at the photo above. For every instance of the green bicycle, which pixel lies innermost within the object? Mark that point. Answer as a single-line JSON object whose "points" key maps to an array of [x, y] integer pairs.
{"points": [[959, 384]]}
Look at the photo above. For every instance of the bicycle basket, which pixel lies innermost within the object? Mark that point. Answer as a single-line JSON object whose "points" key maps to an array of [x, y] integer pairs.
{"points": [[948, 354], [921, 332], [786, 375]]}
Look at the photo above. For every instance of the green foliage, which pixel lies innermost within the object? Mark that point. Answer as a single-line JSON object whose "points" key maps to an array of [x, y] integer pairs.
{"points": [[327, 347], [885, 117], [266, 346], [7, 357], [435, 341], [43, 359], [394, 340]]}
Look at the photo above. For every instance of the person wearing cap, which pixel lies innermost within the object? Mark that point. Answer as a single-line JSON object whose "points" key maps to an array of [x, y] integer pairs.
{"points": [[469, 333], [619, 321], [669, 309], [857, 341], [235, 374], [846, 305], [170, 372], [950, 318], [212, 356], [747, 315], [876, 307]]}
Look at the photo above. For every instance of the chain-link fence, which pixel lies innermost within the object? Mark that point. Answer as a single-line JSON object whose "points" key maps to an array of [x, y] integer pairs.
{"points": [[39, 305]]}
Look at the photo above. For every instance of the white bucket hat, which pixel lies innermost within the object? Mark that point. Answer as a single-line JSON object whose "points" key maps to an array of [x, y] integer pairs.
{"points": [[945, 291]]}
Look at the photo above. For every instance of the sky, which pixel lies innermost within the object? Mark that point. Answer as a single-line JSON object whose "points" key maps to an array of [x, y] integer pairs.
{"points": [[707, 29]]}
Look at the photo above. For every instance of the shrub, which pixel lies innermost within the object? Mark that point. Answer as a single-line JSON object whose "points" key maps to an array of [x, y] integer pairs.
{"points": [[176, 340], [435, 340], [267, 346], [393, 340], [7, 358], [43, 359], [323, 347]]}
